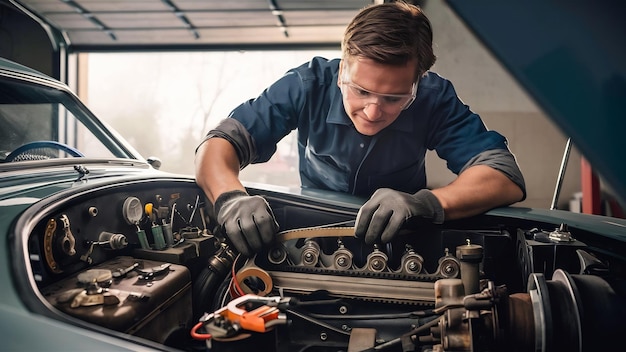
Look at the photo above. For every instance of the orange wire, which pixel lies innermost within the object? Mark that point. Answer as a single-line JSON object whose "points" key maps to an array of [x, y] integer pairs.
{"points": [[235, 283], [198, 336]]}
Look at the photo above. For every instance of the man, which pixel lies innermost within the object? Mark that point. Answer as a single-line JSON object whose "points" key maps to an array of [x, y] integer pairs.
{"points": [[364, 125]]}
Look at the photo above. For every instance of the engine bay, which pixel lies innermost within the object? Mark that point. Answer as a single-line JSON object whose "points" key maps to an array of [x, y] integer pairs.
{"points": [[145, 260]]}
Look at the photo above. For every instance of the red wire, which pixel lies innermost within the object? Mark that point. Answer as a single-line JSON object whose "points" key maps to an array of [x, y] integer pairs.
{"points": [[198, 336], [235, 283]]}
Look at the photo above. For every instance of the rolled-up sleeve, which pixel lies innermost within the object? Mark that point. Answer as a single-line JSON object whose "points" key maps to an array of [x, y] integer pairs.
{"points": [[234, 132], [502, 160]]}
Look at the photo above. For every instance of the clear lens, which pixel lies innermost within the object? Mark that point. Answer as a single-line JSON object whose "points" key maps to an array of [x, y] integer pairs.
{"points": [[389, 103]]}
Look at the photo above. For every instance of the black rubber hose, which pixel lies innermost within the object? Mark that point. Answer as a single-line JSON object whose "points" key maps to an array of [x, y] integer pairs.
{"points": [[209, 279], [203, 291]]}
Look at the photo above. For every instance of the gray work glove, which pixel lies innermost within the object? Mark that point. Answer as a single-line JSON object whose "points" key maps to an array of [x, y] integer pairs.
{"points": [[382, 216], [247, 220]]}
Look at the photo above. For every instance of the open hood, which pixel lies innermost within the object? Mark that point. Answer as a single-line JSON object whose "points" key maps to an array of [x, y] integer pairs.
{"points": [[570, 56]]}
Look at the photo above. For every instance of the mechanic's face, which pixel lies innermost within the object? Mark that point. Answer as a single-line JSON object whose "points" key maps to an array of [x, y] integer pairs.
{"points": [[374, 94]]}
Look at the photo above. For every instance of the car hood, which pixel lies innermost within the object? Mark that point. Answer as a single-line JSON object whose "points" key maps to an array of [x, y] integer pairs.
{"points": [[570, 56]]}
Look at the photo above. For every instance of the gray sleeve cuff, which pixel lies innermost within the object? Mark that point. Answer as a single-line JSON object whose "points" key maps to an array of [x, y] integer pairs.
{"points": [[234, 132], [503, 161]]}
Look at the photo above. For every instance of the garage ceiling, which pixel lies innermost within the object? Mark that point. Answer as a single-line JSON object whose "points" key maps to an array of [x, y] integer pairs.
{"points": [[169, 24]]}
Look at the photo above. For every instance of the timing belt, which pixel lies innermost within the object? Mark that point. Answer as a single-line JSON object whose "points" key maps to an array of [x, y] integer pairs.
{"points": [[334, 231]]}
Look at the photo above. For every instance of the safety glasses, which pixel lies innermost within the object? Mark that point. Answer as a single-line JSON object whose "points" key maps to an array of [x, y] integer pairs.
{"points": [[389, 103]]}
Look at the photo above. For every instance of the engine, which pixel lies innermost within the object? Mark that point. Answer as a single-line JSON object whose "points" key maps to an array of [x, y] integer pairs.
{"points": [[322, 290], [144, 261]]}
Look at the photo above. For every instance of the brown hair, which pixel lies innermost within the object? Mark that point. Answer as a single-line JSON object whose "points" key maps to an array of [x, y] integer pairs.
{"points": [[391, 33]]}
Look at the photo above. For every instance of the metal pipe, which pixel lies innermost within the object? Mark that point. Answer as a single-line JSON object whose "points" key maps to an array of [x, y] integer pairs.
{"points": [[559, 182]]}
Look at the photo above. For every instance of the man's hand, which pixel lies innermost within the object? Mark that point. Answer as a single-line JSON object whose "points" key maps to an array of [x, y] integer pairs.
{"points": [[382, 216], [247, 220]]}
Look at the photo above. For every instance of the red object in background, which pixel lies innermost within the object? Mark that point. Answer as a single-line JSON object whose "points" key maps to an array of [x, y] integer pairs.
{"points": [[592, 194], [590, 186]]}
